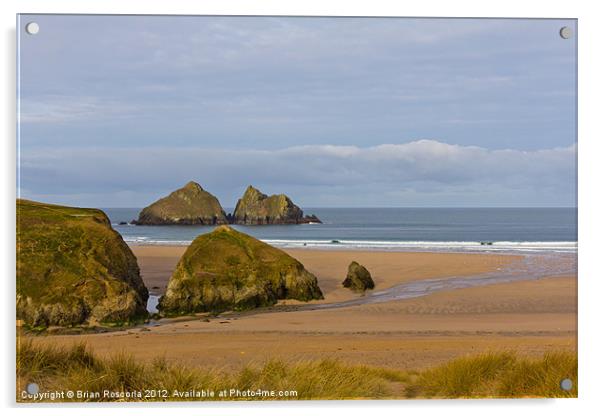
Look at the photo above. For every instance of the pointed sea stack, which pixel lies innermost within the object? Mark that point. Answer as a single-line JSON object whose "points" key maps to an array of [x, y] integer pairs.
{"points": [[256, 208], [190, 205], [229, 270], [74, 269]]}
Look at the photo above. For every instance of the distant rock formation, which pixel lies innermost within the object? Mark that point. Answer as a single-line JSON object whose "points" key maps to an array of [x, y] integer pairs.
{"points": [[73, 268], [256, 208], [190, 205], [358, 278], [230, 270]]}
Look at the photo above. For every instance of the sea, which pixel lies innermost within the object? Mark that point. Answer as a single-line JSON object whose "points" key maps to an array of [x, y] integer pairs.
{"points": [[391, 229]]}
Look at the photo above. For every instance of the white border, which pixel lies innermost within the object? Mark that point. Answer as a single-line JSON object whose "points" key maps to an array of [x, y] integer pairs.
{"points": [[590, 288]]}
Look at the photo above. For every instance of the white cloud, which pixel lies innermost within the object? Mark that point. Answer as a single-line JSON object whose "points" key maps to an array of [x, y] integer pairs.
{"points": [[282, 81], [380, 175]]}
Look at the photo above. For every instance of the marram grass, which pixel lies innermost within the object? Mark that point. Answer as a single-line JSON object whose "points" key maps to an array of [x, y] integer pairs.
{"points": [[498, 375], [493, 374]]}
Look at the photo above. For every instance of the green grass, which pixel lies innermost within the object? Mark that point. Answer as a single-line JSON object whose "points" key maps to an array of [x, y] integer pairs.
{"points": [[73, 268], [486, 375], [229, 270], [257, 207], [190, 204]]}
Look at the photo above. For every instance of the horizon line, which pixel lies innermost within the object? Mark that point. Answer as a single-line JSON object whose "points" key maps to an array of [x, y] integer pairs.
{"points": [[397, 207]]}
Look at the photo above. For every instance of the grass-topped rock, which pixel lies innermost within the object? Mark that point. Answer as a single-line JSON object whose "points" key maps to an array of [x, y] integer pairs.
{"points": [[230, 270], [73, 268], [256, 208], [358, 278], [189, 205]]}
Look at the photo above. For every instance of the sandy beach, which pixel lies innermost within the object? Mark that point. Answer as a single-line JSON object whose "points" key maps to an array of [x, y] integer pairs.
{"points": [[330, 266], [530, 317]]}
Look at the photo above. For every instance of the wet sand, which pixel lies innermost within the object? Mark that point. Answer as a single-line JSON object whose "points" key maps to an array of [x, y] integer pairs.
{"points": [[528, 316], [387, 268]]}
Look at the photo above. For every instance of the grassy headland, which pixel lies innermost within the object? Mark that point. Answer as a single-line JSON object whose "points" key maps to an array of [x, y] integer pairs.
{"points": [[73, 268]]}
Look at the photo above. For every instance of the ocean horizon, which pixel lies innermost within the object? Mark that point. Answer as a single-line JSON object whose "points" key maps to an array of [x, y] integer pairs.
{"points": [[391, 229]]}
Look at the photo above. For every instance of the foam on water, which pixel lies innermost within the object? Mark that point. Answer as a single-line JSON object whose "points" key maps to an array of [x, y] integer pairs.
{"points": [[522, 230], [525, 246], [475, 246]]}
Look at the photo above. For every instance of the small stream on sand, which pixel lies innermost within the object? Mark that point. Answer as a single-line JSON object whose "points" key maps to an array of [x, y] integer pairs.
{"points": [[531, 266], [152, 302]]}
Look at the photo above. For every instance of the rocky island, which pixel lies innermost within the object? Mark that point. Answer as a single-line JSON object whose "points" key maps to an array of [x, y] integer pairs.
{"points": [[229, 270], [74, 269], [189, 205], [256, 208]]}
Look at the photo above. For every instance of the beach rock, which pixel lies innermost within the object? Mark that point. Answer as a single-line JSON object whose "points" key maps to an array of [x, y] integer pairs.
{"points": [[256, 208], [73, 268], [358, 278], [230, 270], [189, 205]]}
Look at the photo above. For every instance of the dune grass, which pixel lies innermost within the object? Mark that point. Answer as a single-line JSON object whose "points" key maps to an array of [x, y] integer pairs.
{"points": [[487, 375], [498, 375], [76, 368]]}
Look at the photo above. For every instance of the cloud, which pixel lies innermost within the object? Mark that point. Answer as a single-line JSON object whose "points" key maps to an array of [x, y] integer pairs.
{"points": [[428, 171], [283, 81], [68, 109], [323, 109]]}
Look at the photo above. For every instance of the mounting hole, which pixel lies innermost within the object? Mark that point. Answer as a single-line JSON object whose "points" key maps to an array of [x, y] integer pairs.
{"points": [[566, 384], [566, 32], [32, 388], [32, 28]]}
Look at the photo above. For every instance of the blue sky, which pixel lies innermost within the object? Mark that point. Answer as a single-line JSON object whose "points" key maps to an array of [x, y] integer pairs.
{"points": [[118, 111]]}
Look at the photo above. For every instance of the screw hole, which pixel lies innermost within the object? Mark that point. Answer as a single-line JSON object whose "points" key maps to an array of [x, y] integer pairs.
{"points": [[566, 384], [32, 388], [566, 32], [32, 28]]}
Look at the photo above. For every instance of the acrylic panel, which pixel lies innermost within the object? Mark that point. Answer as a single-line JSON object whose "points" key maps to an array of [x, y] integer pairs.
{"points": [[295, 208]]}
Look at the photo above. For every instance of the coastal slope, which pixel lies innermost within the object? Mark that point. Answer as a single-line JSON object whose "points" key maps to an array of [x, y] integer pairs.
{"points": [[73, 268], [257, 208], [189, 205], [230, 270]]}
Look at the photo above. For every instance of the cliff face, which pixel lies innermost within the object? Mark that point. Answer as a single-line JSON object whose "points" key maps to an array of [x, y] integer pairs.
{"points": [[73, 268], [255, 208], [187, 206], [230, 270]]}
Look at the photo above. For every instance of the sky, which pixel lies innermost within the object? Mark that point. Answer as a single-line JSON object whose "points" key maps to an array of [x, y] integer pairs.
{"points": [[117, 111]]}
